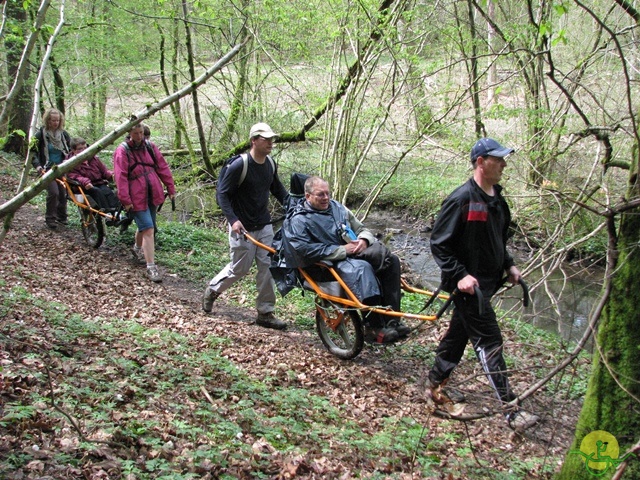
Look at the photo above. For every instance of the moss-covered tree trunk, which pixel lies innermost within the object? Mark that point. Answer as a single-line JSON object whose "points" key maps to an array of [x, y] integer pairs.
{"points": [[612, 400]]}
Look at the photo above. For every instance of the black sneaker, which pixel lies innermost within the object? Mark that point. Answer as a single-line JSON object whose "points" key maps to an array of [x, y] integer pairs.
{"points": [[269, 320], [51, 225], [208, 298], [402, 329], [63, 221], [380, 335]]}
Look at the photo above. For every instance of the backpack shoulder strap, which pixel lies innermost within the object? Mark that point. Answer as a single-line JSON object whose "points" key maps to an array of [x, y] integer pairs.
{"points": [[147, 144], [245, 166]]}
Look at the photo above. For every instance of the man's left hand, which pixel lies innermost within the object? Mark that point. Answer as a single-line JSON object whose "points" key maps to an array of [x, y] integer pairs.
{"points": [[356, 246], [514, 275]]}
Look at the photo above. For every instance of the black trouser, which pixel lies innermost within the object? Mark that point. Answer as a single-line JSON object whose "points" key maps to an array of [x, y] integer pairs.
{"points": [[389, 277], [104, 196], [486, 339]]}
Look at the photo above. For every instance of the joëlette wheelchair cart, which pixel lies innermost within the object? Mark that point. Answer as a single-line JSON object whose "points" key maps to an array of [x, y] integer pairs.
{"points": [[92, 218], [340, 314]]}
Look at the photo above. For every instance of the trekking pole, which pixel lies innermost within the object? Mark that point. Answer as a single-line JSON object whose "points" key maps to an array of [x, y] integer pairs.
{"points": [[525, 293], [525, 290], [447, 304]]}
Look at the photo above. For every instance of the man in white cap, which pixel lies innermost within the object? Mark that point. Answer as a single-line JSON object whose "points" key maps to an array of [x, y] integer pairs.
{"points": [[468, 242], [243, 196]]}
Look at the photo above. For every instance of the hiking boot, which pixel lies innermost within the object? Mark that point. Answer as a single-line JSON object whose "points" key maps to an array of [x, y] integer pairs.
{"points": [[208, 298], [521, 420], [63, 221], [380, 336], [445, 400], [456, 396], [51, 224], [138, 256], [153, 274], [402, 329], [269, 320]]}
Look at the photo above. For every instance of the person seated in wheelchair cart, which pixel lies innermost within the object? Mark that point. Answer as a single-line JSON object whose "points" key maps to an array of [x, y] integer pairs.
{"points": [[94, 177], [319, 229]]}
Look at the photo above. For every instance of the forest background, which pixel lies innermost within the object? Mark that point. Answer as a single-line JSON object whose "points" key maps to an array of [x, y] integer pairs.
{"points": [[384, 99]]}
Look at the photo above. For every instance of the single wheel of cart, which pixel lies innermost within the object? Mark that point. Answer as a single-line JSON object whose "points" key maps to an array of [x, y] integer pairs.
{"points": [[92, 224], [339, 328]]}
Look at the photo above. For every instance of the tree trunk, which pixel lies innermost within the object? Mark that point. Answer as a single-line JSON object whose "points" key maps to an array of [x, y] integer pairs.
{"points": [[175, 107], [11, 206], [194, 95], [474, 79], [18, 114], [612, 400], [58, 85], [20, 62]]}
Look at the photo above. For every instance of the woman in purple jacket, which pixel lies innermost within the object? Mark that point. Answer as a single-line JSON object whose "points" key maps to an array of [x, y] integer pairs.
{"points": [[140, 172], [93, 176]]}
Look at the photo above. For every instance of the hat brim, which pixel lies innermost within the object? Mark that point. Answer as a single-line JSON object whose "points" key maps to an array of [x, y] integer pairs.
{"points": [[265, 134], [501, 152]]}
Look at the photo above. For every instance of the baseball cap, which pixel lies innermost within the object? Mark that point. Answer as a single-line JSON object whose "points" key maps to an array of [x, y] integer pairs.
{"points": [[489, 147], [263, 130]]}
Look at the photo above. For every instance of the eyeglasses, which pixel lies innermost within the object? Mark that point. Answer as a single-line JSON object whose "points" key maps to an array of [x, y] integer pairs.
{"points": [[265, 138], [321, 194]]}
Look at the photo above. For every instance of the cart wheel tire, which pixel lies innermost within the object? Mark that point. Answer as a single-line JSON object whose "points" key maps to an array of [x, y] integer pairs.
{"points": [[346, 340], [92, 227]]}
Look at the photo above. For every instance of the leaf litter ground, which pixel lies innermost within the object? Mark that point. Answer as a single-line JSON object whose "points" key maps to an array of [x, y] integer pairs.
{"points": [[107, 375]]}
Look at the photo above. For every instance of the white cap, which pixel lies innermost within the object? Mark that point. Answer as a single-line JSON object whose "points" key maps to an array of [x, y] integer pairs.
{"points": [[263, 130]]}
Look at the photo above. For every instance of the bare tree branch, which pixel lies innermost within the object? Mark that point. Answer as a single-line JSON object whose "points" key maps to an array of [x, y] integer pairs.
{"points": [[16, 202]]}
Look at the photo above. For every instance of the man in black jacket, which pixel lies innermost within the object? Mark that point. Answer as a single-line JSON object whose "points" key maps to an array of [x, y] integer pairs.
{"points": [[243, 197], [468, 242]]}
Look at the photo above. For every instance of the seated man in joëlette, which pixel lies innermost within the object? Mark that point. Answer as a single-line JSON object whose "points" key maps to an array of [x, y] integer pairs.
{"points": [[321, 229], [93, 176]]}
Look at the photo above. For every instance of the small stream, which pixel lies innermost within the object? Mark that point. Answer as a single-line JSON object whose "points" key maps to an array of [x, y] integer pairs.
{"points": [[561, 305]]}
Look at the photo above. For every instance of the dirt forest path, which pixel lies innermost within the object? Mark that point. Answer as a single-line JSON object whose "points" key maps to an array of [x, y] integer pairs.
{"points": [[58, 266]]}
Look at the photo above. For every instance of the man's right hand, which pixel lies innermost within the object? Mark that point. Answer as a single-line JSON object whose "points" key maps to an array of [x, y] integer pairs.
{"points": [[467, 284], [238, 228]]}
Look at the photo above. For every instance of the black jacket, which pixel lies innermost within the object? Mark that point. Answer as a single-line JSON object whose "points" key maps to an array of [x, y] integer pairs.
{"points": [[470, 236], [249, 201]]}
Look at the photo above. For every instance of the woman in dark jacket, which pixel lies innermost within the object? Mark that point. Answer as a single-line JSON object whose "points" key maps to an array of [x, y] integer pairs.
{"points": [[52, 148]]}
